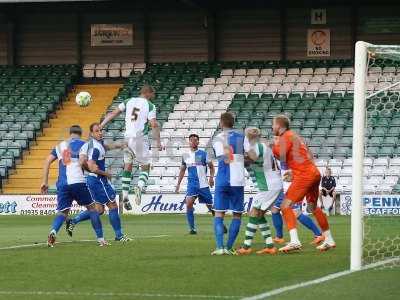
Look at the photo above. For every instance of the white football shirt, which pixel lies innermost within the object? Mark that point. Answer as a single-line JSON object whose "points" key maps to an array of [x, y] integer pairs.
{"points": [[138, 113]]}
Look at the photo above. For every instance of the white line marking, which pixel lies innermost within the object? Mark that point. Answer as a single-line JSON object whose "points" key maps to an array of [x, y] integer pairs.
{"points": [[79, 241], [319, 280], [97, 294]]}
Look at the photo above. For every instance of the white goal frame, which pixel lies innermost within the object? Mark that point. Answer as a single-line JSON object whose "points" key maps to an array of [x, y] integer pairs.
{"points": [[359, 123]]}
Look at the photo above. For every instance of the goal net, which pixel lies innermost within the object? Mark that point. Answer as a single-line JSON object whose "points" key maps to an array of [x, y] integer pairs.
{"points": [[375, 228]]}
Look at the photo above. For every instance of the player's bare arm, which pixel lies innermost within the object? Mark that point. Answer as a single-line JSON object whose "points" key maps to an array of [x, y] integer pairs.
{"points": [[212, 174], [109, 117], [46, 167], [182, 171], [156, 133], [83, 162], [116, 145]]}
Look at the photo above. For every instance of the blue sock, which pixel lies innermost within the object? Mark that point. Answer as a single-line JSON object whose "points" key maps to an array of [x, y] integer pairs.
{"points": [[233, 232], [219, 232], [309, 223], [278, 224], [190, 218], [96, 223], [115, 222], [57, 222], [82, 216]]}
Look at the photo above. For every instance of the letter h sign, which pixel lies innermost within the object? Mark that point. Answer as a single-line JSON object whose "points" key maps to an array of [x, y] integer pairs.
{"points": [[318, 16]]}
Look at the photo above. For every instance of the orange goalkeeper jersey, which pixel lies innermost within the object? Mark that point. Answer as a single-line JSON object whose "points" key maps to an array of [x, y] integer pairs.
{"points": [[290, 148]]}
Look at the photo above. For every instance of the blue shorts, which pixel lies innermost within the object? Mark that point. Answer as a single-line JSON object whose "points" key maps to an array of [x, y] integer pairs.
{"points": [[229, 197], [66, 194], [278, 202], [101, 190], [203, 194]]}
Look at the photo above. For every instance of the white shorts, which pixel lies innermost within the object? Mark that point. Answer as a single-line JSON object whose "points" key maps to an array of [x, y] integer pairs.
{"points": [[327, 201], [264, 200], [138, 150]]}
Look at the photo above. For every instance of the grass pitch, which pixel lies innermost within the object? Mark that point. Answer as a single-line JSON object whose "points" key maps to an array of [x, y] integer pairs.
{"points": [[164, 262]]}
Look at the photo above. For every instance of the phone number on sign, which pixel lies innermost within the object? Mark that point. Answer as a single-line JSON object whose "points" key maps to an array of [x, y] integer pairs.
{"points": [[44, 212]]}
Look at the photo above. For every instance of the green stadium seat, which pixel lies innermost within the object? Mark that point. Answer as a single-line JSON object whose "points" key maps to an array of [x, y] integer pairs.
{"points": [[282, 97], [311, 123], [372, 151], [395, 122], [291, 106], [333, 104], [345, 142], [317, 142], [324, 123], [330, 141], [314, 115], [254, 123], [308, 96], [390, 141], [386, 151], [300, 115], [296, 123], [268, 97], [379, 131], [253, 97], [328, 114], [306, 132], [320, 132], [244, 115], [326, 152], [262, 106], [341, 153], [304, 106], [339, 123], [375, 141], [393, 131]]}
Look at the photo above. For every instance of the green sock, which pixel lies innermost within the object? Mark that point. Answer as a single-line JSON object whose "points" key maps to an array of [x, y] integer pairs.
{"points": [[126, 180], [265, 232], [251, 229], [143, 178]]}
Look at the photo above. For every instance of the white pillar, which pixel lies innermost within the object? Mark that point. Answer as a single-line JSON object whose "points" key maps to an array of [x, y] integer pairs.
{"points": [[360, 75]]}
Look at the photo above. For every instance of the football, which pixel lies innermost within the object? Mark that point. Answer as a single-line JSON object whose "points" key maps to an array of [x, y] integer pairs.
{"points": [[83, 99]]}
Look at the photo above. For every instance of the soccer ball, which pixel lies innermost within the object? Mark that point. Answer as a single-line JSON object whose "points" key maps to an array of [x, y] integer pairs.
{"points": [[83, 99]]}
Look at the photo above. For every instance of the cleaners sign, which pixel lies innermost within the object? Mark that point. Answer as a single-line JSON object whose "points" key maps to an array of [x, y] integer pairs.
{"points": [[373, 204], [37, 205]]}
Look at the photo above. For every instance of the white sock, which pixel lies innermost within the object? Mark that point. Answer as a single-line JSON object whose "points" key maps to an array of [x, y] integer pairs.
{"points": [[294, 238], [141, 185], [124, 194], [328, 236], [53, 232], [100, 240]]}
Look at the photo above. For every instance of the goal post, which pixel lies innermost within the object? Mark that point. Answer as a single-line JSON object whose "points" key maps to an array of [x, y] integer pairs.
{"points": [[359, 107], [372, 100]]}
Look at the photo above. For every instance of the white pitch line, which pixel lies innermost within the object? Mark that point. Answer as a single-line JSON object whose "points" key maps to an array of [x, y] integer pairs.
{"points": [[78, 241], [319, 280], [99, 294]]}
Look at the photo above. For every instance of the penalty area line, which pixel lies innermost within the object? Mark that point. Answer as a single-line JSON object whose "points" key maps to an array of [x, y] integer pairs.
{"points": [[319, 280], [78, 241], [111, 295]]}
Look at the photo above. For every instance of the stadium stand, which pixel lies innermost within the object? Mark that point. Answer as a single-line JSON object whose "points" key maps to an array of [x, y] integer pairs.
{"points": [[317, 95], [26, 178], [112, 70], [28, 95]]}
